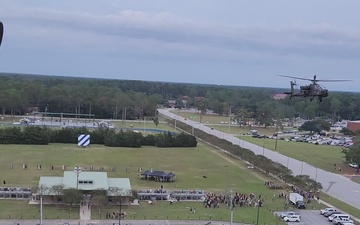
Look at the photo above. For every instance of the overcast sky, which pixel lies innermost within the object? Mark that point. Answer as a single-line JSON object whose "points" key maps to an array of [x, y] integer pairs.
{"points": [[230, 42]]}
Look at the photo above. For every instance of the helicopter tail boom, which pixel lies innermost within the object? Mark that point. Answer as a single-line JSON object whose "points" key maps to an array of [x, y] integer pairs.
{"points": [[292, 89]]}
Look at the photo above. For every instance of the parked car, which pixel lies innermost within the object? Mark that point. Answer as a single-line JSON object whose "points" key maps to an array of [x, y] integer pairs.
{"points": [[323, 211], [346, 223], [338, 221], [292, 218], [336, 216], [353, 165], [284, 214], [327, 214]]}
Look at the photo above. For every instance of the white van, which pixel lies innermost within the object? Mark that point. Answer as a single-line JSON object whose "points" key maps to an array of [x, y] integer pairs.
{"points": [[340, 221], [339, 216]]}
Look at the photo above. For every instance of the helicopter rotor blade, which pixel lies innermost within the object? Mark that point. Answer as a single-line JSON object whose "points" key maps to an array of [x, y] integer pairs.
{"points": [[314, 79], [299, 78], [1, 31], [333, 80]]}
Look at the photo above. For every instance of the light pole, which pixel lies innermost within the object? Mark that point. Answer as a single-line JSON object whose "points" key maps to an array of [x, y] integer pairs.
{"points": [[144, 123], [257, 217], [302, 166], [77, 170], [229, 118], [264, 149], [41, 209], [287, 164], [120, 210], [229, 193], [316, 174], [226, 178], [41, 190], [277, 134]]}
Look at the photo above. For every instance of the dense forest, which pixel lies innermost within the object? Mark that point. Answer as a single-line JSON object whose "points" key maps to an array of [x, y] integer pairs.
{"points": [[108, 98]]}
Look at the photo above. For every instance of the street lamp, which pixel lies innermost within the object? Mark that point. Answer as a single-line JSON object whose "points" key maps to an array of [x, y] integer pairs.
{"points": [[257, 217], [226, 177], [302, 166], [77, 170], [229, 118], [264, 149], [42, 189], [41, 209], [144, 124], [120, 210], [229, 194], [277, 134], [287, 164]]}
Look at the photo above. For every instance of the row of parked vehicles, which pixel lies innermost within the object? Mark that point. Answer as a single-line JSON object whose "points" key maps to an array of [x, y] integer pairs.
{"points": [[332, 214], [336, 217]]}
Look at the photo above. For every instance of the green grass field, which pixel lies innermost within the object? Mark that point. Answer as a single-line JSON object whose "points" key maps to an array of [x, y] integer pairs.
{"points": [[189, 165], [221, 123], [181, 211], [20, 209], [321, 156]]}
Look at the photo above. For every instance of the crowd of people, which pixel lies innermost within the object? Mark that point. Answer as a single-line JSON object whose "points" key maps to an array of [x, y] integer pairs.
{"points": [[273, 185], [238, 200]]}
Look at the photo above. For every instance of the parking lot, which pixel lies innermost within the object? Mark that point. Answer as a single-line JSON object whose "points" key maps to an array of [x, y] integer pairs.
{"points": [[309, 217]]}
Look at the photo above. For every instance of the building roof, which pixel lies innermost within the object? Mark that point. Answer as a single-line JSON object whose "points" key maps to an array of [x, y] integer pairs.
{"points": [[86, 181], [122, 183]]}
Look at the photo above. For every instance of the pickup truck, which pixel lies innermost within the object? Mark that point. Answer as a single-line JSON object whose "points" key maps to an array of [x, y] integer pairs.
{"points": [[323, 211]]}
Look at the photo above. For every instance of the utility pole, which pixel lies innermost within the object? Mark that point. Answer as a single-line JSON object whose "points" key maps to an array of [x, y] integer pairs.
{"points": [[257, 217], [41, 190], [229, 196], [264, 148], [231, 199], [120, 211], [302, 166], [77, 170], [229, 119], [41, 209], [277, 133], [125, 117]]}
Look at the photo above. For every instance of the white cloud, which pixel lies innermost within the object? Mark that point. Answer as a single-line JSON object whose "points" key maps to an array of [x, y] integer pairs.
{"points": [[243, 42], [165, 33]]}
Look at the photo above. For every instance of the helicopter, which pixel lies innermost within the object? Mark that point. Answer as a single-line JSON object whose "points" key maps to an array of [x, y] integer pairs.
{"points": [[312, 90]]}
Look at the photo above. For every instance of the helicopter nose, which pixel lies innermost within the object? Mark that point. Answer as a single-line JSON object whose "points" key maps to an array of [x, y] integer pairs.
{"points": [[326, 92]]}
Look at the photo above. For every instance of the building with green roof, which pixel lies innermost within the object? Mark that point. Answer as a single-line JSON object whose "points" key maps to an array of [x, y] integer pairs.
{"points": [[86, 182]]}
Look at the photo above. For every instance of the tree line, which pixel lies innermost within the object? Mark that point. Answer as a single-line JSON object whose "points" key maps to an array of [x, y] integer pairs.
{"points": [[128, 99], [109, 137]]}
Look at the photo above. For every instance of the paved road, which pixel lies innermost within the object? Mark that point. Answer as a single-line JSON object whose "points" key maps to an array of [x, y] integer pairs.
{"points": [[335, 185]]}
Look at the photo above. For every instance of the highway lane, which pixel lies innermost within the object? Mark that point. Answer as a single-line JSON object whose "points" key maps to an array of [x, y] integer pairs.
{"points": [[335, 185]]}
